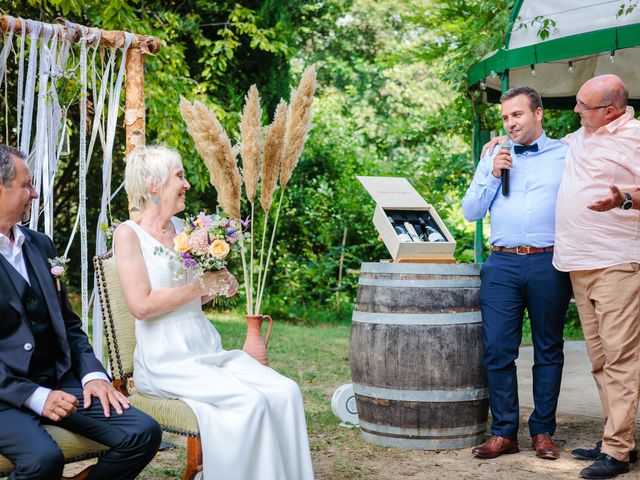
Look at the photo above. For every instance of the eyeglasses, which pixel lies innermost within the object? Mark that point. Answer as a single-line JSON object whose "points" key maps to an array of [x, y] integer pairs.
{"points": [[583, 107]]}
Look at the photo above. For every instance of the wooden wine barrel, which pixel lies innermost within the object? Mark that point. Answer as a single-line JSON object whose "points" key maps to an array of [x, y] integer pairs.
{"points": [[415, 355]]}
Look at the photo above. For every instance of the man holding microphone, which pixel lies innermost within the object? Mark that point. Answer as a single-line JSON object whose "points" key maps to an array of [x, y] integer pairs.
{"points": [[519, 274]]}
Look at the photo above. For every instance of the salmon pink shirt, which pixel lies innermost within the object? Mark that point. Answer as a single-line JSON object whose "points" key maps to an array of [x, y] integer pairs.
{"points": [[589, 240]]}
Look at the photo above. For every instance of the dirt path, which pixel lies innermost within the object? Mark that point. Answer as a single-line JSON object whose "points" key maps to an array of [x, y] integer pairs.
{"points": [[359, 460], [345, 456]]}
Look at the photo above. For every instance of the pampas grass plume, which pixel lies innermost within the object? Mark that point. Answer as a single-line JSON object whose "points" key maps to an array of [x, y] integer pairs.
{"points": [[213, 144], [273, 156], [298, 124], [251, 142]]}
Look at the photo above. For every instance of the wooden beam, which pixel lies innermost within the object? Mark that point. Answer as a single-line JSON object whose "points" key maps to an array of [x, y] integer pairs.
{"points": [[134, 109], [72, 31]]}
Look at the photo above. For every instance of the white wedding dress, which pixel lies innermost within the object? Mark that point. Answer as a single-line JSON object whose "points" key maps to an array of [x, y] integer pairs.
{"points": [[251, 418]]}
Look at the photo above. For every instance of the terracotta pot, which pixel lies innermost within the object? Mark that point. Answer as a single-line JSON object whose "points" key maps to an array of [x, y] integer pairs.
{"points": [[254, 345]]}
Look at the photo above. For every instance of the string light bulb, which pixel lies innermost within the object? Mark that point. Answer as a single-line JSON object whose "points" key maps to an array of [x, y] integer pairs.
{"points": [[483, 86], [570, 67], [493, 74], [612, 56], [533, 70]]}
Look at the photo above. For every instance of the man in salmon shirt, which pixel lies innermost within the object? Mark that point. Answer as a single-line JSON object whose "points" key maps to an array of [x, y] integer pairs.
{"points": [[598, 243]]}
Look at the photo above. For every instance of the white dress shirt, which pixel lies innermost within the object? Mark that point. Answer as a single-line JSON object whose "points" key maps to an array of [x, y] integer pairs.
{"points": [[13, 254]]}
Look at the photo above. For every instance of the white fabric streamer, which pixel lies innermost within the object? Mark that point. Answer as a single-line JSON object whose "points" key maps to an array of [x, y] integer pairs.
{"points": [[6, 48], [4, 55], [20, 86], [107, 148], [40, 166], [30, 87], [82, 204]]}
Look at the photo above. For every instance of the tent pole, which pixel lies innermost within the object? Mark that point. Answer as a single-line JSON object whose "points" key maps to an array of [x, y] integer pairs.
{"points": [[478, 240], [504, 82]]}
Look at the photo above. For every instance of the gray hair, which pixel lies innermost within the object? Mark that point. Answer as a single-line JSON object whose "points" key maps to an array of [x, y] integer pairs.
{"points": [[7, 164], [148, 167], [535, 101]]}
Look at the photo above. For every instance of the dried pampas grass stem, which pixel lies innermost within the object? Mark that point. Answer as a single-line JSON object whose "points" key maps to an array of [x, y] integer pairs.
{"points": [[213, 144], [273, 156], [251, 142], [298, 124]]}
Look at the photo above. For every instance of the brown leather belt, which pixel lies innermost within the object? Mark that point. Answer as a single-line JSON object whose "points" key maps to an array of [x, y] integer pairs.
{"points": [[523, 249]]}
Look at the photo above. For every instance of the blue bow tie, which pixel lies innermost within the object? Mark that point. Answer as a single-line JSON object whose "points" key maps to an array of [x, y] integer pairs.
{"points": [[525, 148]]}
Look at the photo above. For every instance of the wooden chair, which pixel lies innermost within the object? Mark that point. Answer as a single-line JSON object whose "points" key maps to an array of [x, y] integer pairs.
{"points": [[173, 416], [75, 447]]}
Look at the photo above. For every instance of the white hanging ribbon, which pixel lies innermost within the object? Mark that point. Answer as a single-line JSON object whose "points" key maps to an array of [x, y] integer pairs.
{"points": [[82, 196], [4, 55], [54, 116], [29, 90], [6, 48], [40, 146], [96, 130], [115, 89], [20, 86]]}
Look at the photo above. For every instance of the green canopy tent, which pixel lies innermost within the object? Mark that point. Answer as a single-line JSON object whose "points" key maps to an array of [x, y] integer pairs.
{"points": [[555, 46]]}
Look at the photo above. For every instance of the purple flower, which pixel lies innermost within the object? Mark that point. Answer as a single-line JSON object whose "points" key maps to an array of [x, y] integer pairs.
{"points": [[233, 236], [245, 223], [188, 261]]}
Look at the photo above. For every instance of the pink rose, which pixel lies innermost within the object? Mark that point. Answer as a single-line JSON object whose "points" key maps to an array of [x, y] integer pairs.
{"points": [[198, 241], [57, 271]]}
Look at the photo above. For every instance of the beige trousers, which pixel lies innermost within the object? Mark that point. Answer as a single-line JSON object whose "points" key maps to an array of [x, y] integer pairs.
{"points": [[608, 302]]}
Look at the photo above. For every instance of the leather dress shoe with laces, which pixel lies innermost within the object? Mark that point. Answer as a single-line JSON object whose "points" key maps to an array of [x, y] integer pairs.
{"points": [[495, 446], [592, 453], [545, 447], [605, 467]]}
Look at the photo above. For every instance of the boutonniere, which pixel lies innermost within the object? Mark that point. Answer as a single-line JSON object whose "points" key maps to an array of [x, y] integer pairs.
{"points": [[58, 269]]}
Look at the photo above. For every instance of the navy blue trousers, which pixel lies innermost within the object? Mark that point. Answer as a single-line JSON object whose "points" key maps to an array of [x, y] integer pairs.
{"points": [[511, 283], [133, 437]]}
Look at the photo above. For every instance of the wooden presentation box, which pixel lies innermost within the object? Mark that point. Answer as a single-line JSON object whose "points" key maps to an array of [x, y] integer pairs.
{"points": [[397, 200]]}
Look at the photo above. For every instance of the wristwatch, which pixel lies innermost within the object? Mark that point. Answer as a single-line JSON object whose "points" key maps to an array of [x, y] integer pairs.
{"points": [[628, 201]]}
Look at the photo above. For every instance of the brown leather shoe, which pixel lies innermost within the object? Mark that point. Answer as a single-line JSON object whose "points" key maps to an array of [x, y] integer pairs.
{"points": [[545, 447], [495, 446]]}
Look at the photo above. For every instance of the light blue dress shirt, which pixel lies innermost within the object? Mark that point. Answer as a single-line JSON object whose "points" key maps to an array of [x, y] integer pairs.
{"points": [[528, 215]]}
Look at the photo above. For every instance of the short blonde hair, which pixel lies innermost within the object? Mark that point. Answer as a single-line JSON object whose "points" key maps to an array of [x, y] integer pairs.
{"points": [[148, 167]]}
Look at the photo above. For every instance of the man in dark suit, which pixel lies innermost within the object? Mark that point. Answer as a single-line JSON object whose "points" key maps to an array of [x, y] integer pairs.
{"points": [[48, 371]]}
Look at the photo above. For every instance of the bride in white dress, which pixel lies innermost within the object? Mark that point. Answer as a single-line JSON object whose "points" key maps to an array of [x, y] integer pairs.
{"points": [[251, 418]]}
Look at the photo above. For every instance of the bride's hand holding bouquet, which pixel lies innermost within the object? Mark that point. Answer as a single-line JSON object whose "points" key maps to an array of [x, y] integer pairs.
{"points": [[204, 248]]}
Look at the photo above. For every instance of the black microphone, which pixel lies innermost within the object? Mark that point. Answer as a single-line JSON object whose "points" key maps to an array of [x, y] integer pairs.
{"points": [[506, 145]]}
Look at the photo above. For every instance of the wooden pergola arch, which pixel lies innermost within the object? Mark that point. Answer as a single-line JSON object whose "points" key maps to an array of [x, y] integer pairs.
{"points": [[141, 46]]}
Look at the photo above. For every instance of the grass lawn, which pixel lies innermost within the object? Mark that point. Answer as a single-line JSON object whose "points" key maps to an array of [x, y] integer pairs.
{"points": [[317, 358]]}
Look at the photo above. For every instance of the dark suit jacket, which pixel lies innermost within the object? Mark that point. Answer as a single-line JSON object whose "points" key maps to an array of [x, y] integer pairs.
{"points": [[77, 354]]}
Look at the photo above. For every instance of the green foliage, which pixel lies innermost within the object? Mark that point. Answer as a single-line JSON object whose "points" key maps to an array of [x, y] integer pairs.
{"points": [[196, 36], [392, 101], [627, 9]]}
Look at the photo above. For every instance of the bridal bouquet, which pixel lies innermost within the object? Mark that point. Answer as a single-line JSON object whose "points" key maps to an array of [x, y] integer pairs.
{"points": [[207, 243]]}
